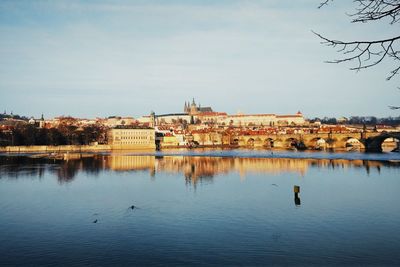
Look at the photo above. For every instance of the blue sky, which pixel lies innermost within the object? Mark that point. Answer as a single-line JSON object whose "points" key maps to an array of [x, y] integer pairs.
{"points": [[102, 58]]}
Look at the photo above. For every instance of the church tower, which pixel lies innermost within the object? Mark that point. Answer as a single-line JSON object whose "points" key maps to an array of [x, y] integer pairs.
{"points": [[41, 122], [193, 108], [152, 119]]}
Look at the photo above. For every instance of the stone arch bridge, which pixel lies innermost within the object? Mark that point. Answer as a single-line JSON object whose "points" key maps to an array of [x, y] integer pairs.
{"points": [[370, 141]]}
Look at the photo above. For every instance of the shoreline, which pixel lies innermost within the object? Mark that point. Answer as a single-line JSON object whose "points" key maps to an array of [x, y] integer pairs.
{"points": [[55, 149], [220, 153], [109, 148], [105, 148]]}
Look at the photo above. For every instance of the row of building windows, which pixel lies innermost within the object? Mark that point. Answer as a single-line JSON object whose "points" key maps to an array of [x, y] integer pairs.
{"points": [[131, 143], [131, 137], [133, 133]]}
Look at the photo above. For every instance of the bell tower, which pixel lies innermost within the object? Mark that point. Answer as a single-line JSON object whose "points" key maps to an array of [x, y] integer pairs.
{"points": [[193, 108], [152, 119]]}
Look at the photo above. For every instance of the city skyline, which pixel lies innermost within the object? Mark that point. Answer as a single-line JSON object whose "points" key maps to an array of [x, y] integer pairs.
{"points": [[127, 58], [311, 117]]}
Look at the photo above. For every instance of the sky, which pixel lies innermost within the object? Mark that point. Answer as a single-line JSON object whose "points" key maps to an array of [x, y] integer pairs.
{"points": [[101, 58]]}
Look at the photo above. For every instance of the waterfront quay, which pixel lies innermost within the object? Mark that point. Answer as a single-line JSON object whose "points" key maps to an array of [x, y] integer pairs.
{"points": [[148, 139]]}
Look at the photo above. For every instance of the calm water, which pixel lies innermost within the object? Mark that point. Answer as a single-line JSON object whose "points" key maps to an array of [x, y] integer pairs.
{"points": [[200, 208]]}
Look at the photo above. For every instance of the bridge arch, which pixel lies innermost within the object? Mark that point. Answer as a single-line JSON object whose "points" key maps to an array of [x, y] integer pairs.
{"points": [[374, 144], [250, 142], [279, 143], [235, 141], [390, 144], [268, 143], [317, 143], [291, 142], [352, 143]]}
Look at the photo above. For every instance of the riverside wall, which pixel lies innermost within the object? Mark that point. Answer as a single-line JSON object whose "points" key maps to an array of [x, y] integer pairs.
{"points": [[65, 148], [73, 148]]}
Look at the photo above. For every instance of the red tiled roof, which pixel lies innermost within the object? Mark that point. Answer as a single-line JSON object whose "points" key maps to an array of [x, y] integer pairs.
{"points": [[289, 116], [212, 114]]}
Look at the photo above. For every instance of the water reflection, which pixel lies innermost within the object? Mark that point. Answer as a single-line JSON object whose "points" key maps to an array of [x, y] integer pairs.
{"points": [[128, 163], [108, 208], [194, 169]]}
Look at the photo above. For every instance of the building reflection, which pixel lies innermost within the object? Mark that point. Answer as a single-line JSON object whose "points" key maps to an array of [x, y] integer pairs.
{"points": [[193, 169], [205, 168], [128, 163]]}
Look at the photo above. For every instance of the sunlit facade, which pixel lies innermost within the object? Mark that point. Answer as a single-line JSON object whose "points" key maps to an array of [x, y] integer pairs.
{"points": [[135, 138]]}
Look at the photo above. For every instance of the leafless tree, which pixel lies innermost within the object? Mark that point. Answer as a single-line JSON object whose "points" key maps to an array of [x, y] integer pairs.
{"points": [[369, 53]]}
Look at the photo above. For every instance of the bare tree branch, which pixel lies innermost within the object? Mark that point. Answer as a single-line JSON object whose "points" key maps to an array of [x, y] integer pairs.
{"points": [[369, 10], [371, 52], [324, 3]]}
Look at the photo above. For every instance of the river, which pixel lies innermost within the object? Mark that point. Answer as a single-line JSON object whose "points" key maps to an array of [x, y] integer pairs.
{"points": [[200, 207]]}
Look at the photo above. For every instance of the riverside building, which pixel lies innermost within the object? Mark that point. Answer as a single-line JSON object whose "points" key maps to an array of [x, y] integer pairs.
{"points": [[131, 138]]}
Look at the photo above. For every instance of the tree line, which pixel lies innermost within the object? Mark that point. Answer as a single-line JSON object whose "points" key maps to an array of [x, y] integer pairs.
{"points": [[361, 120], [28, 134]]}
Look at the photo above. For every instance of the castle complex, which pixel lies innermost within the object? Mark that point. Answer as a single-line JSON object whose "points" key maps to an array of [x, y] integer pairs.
{"points": [[207, 115], [195, 114], [193, 109]]}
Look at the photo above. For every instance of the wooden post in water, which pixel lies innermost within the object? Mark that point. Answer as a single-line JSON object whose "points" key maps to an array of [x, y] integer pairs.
{"points": [[296, 190]]}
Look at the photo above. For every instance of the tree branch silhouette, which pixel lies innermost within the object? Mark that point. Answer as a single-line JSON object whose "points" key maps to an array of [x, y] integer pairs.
{"points": [[324, 3], [369, 53]]}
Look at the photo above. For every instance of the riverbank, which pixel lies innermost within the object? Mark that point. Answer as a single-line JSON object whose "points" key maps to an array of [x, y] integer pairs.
{"points": [[109, 148], [55, 149], [129, 155]]}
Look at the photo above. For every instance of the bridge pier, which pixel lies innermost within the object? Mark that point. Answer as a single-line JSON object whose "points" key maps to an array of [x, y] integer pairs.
{"points": [[373, 149]]}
